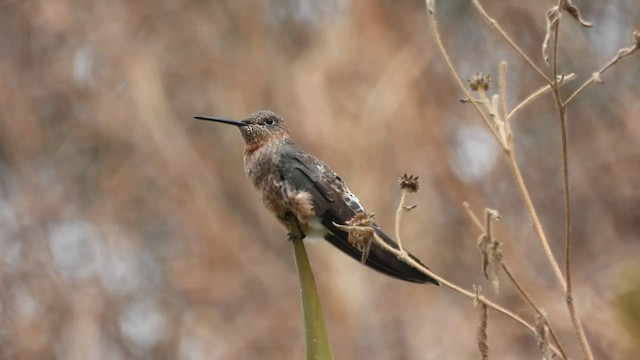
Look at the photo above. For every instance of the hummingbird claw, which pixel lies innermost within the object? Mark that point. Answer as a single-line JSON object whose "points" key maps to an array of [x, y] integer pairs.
{"points": [[293, 237]]}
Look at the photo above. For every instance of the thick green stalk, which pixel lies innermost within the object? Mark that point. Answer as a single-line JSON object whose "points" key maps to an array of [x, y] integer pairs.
{"points": [[316, 339]]}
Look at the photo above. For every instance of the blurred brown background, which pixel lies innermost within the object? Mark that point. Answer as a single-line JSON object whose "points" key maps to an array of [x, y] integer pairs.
{"points": [[129, 231]]}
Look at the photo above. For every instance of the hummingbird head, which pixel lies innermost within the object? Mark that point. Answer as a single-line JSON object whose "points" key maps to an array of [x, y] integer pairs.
{"points": [[259, 128]]}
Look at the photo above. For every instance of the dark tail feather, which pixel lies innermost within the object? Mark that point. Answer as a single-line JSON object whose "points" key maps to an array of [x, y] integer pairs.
{"points": [[380, 259]]}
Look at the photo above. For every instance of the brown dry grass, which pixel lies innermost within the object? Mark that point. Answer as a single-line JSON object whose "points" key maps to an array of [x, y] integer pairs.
{"points": [[128, 230]]}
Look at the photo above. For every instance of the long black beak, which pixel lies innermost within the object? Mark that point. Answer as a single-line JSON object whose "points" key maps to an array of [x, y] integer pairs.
{"points": [[225, 121]]}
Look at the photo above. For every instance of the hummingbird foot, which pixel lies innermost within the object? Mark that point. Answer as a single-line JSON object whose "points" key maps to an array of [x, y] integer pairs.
{"points": [[296, 232], [292, 237]]}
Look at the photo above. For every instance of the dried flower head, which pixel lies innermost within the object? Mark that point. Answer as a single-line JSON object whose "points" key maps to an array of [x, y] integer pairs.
{"points": [[362, 238], [480, 81], [408, 183], [362, 219]]}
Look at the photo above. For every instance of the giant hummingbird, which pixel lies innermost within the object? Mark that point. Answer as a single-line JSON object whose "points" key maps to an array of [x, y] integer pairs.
{"points": [[294, 185]]}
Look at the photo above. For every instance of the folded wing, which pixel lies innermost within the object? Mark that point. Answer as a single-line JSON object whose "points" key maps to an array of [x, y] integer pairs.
{"points": [[334, 204]]}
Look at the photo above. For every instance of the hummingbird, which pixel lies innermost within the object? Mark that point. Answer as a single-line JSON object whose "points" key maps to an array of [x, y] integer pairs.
{"points": [[294, 185]]}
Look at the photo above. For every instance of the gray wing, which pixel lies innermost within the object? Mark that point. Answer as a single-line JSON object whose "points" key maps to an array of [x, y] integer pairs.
{"points": [[334, 203]]}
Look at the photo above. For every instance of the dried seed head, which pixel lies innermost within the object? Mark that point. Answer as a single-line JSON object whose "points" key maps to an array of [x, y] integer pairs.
{"points": [[542, 332], [362, 219], [480, 81], [408, 183], [361, 233]]}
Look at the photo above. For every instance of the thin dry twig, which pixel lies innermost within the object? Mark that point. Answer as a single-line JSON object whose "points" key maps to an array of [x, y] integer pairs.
{"points": [[502, 90], [408, 184], [533, 214], [404, 257], [504, 34], [480, 84], [481, 333], [512, 161], [445, 55], [596, 77], [403, 197], [536, 94], [562, 114], [505, 137], [543, 336], [539, 311], [523, 293], [506, 143]]}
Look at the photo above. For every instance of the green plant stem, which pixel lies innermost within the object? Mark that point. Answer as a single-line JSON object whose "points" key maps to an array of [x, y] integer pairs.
{"points": [[316, 339]]}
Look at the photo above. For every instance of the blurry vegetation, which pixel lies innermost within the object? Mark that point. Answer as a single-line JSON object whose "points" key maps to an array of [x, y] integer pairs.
{"points": [[128, 230]]}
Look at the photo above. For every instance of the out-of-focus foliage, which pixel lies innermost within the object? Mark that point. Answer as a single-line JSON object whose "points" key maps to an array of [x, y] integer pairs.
{"points": [[128, 230]]}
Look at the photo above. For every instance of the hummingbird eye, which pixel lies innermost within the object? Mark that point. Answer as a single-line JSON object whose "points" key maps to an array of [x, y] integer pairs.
{"points": [[269, 121]]}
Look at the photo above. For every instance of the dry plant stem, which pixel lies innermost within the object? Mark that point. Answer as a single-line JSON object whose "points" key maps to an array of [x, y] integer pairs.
{"points": [[502, 88], [499, 29], [403, 198], [565, 156], [496, 125], [577, 324], [508, 148], [509, 151], [521, 291], [528, 299], [481, 335], [436, 35], [473, 216], [543, 90], [533, 214], [515, 169], [403, 256], [622, 53]]}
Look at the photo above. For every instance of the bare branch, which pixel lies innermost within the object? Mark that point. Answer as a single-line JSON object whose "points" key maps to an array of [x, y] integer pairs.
{"points": [[481, 334], [543, 90], [404, 257], [543, 336], [562, 115], [445, 55], [597, 76], [520, 289], [499, 29]]}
